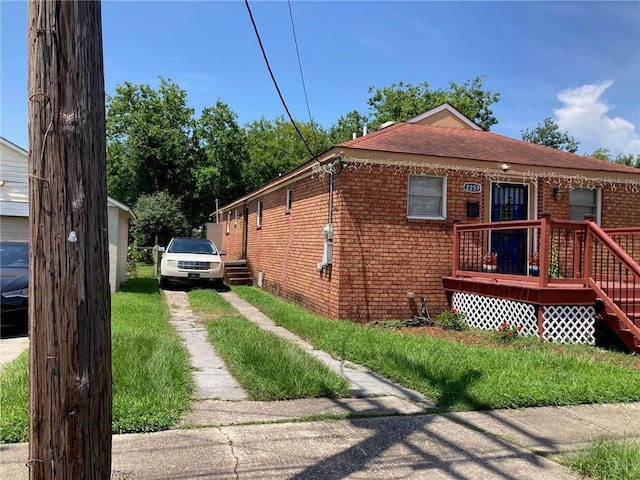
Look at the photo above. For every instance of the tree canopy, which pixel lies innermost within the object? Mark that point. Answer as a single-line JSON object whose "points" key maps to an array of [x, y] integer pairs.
{"points": [[274, 148], [548, 134], [158, 214], [401, 101], [630, 160]]}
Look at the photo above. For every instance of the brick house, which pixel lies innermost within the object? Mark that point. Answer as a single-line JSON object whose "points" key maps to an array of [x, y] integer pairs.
{"points": [[365, 229]]}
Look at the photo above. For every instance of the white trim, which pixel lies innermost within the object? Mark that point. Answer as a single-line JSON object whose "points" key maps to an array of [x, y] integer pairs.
{"points": [[443, 211], [115, 203], [259, 212], [445, 106], [13, 146]]}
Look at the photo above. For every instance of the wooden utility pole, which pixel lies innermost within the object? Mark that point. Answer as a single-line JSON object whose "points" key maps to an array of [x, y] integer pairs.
{"points": [[69, 300]]}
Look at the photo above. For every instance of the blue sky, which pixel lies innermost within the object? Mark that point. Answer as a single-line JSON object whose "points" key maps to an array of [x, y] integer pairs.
{"points": [[576, 62]]}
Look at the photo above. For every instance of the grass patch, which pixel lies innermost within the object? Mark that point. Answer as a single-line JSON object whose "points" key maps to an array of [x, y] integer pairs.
{"points": [[457, 376], [607, 460], [267, 366], [152, 383], [14, 401]]}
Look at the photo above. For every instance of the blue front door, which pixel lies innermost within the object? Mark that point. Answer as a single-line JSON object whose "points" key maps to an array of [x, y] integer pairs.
{"points": [[510, 201]]}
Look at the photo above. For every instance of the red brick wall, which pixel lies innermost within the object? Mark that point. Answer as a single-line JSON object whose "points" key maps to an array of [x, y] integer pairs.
{"points": [[288, 246], [620, 208], [379, 254], [233, 234], [382, 255]]}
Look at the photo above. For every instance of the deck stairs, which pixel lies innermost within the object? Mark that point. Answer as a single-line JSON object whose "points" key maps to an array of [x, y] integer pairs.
{"points": [[237, 272], [616, 282], [618, 304]]}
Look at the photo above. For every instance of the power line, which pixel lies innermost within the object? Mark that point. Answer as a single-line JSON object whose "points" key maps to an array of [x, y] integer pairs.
{"points": [[273, 78], [304, 86]]}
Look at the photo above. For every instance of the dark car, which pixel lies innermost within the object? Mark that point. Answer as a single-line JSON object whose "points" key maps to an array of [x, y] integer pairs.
{"points": [[14, 289]]}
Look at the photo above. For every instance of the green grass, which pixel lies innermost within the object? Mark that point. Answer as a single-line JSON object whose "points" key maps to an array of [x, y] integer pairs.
{"points": [[607, 460], [267, 366], [152, 382], [457, 376], [14, 401]]}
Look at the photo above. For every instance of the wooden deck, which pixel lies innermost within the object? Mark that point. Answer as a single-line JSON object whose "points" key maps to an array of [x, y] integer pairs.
{"points": [[522, 291], [578, 263]]}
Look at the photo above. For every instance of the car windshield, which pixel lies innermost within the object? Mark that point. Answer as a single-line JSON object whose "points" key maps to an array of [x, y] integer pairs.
{"points": [[191, 245], [14, 255]]}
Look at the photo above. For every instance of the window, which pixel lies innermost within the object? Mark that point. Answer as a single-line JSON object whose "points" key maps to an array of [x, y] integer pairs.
{"points": [[427, 197], [228, 222], [584, 201], [235, 218], [259, 215], [288, 202]]}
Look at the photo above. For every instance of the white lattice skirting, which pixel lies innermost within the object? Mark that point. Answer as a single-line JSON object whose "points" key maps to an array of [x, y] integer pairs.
{"points": [[560, 323]]}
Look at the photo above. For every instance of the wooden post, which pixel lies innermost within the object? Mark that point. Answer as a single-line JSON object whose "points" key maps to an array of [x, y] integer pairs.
{"points": [[69, 300], [545, 249]]}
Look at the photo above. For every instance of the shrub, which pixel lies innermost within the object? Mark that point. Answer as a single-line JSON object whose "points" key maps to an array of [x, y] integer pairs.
{"points": [[508, 332], [453, 319]]}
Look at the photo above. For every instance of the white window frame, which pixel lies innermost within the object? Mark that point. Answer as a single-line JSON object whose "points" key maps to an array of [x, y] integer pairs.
{"points": [[443, 210], [259, 214], [228, 222], [598, 204]]}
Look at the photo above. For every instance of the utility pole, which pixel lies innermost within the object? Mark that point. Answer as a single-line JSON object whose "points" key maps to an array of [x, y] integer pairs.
{"points": [[69, 300]]}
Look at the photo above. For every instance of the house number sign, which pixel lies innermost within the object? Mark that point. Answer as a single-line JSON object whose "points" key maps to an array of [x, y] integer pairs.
{"points": [[471, 187]]}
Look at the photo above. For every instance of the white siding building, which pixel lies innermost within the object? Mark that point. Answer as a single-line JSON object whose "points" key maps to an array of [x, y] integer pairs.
{"points": [[14, 211]]}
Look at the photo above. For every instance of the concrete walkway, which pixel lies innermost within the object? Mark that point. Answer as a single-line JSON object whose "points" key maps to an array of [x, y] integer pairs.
{"points": [[363, 382], [10, 348], [210, 374]]}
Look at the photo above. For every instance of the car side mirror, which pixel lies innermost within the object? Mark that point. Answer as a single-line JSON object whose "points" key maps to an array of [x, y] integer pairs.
{"points": [[161, 249], [222, 252]]}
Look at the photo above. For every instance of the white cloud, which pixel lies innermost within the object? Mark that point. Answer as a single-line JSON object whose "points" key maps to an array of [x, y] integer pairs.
{"points": [[584, 117]]}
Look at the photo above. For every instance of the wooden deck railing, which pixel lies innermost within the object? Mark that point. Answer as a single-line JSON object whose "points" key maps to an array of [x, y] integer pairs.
{"points": [[579, 253], [614, 274], [537, 251]]}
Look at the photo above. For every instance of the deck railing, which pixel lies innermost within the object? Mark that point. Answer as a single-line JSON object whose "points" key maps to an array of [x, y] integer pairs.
{"points": [[614, 274], [573, 252], [536, 251]]}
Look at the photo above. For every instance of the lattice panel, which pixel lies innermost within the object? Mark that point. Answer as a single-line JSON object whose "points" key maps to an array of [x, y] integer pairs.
{"points": [[569, 324], [487, 313], [561, 323]]}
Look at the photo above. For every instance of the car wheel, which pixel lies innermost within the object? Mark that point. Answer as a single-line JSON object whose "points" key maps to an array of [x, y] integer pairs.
{"points": [[163, 283]]}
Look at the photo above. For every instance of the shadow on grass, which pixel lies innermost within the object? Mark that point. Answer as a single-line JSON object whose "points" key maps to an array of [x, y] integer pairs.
{"points": [[141, 285]]}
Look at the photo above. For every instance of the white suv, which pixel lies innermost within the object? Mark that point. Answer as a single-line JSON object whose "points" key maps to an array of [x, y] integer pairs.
{"points": [[191, 260]]}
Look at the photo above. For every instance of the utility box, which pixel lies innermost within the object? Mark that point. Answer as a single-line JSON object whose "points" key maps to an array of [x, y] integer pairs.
{"points": [[327, 254]]}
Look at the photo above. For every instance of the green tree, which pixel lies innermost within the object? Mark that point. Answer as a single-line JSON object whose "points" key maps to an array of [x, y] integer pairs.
{"points": [[221, 153], [158, 214], [630, 160], [401, 101], [149, 145], [274, 148], [548, 134], [601, 154], [347, 125]]}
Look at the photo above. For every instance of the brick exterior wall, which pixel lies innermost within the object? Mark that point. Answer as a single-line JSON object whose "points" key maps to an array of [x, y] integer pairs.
{"points": [[380, 255]]}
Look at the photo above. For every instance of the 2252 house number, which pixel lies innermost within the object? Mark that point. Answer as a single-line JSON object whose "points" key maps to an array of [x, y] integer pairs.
{"points": [[472, 187]]}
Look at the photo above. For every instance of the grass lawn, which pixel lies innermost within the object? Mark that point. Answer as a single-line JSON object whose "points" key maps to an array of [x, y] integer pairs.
{"points": [[461, 377], [267, 366], [152, 383], [607, 460]]}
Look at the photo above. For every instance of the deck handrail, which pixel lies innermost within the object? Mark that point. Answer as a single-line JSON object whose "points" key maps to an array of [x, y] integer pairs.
{"points": [[624, 307]]}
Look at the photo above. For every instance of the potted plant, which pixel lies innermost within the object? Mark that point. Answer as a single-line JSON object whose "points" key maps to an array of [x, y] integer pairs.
{"points": [[490, 262], [534, 264]]}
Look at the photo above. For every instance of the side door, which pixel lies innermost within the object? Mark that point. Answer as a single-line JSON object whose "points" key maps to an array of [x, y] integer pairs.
{"points": [[510, 201]]}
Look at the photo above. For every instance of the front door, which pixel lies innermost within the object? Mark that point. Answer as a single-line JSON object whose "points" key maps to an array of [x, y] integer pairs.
{"points": [[510, 201]]}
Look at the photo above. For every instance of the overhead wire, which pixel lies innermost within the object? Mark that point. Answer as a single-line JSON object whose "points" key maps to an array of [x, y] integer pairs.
{"points": [[273, 78], [304, 86]]}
